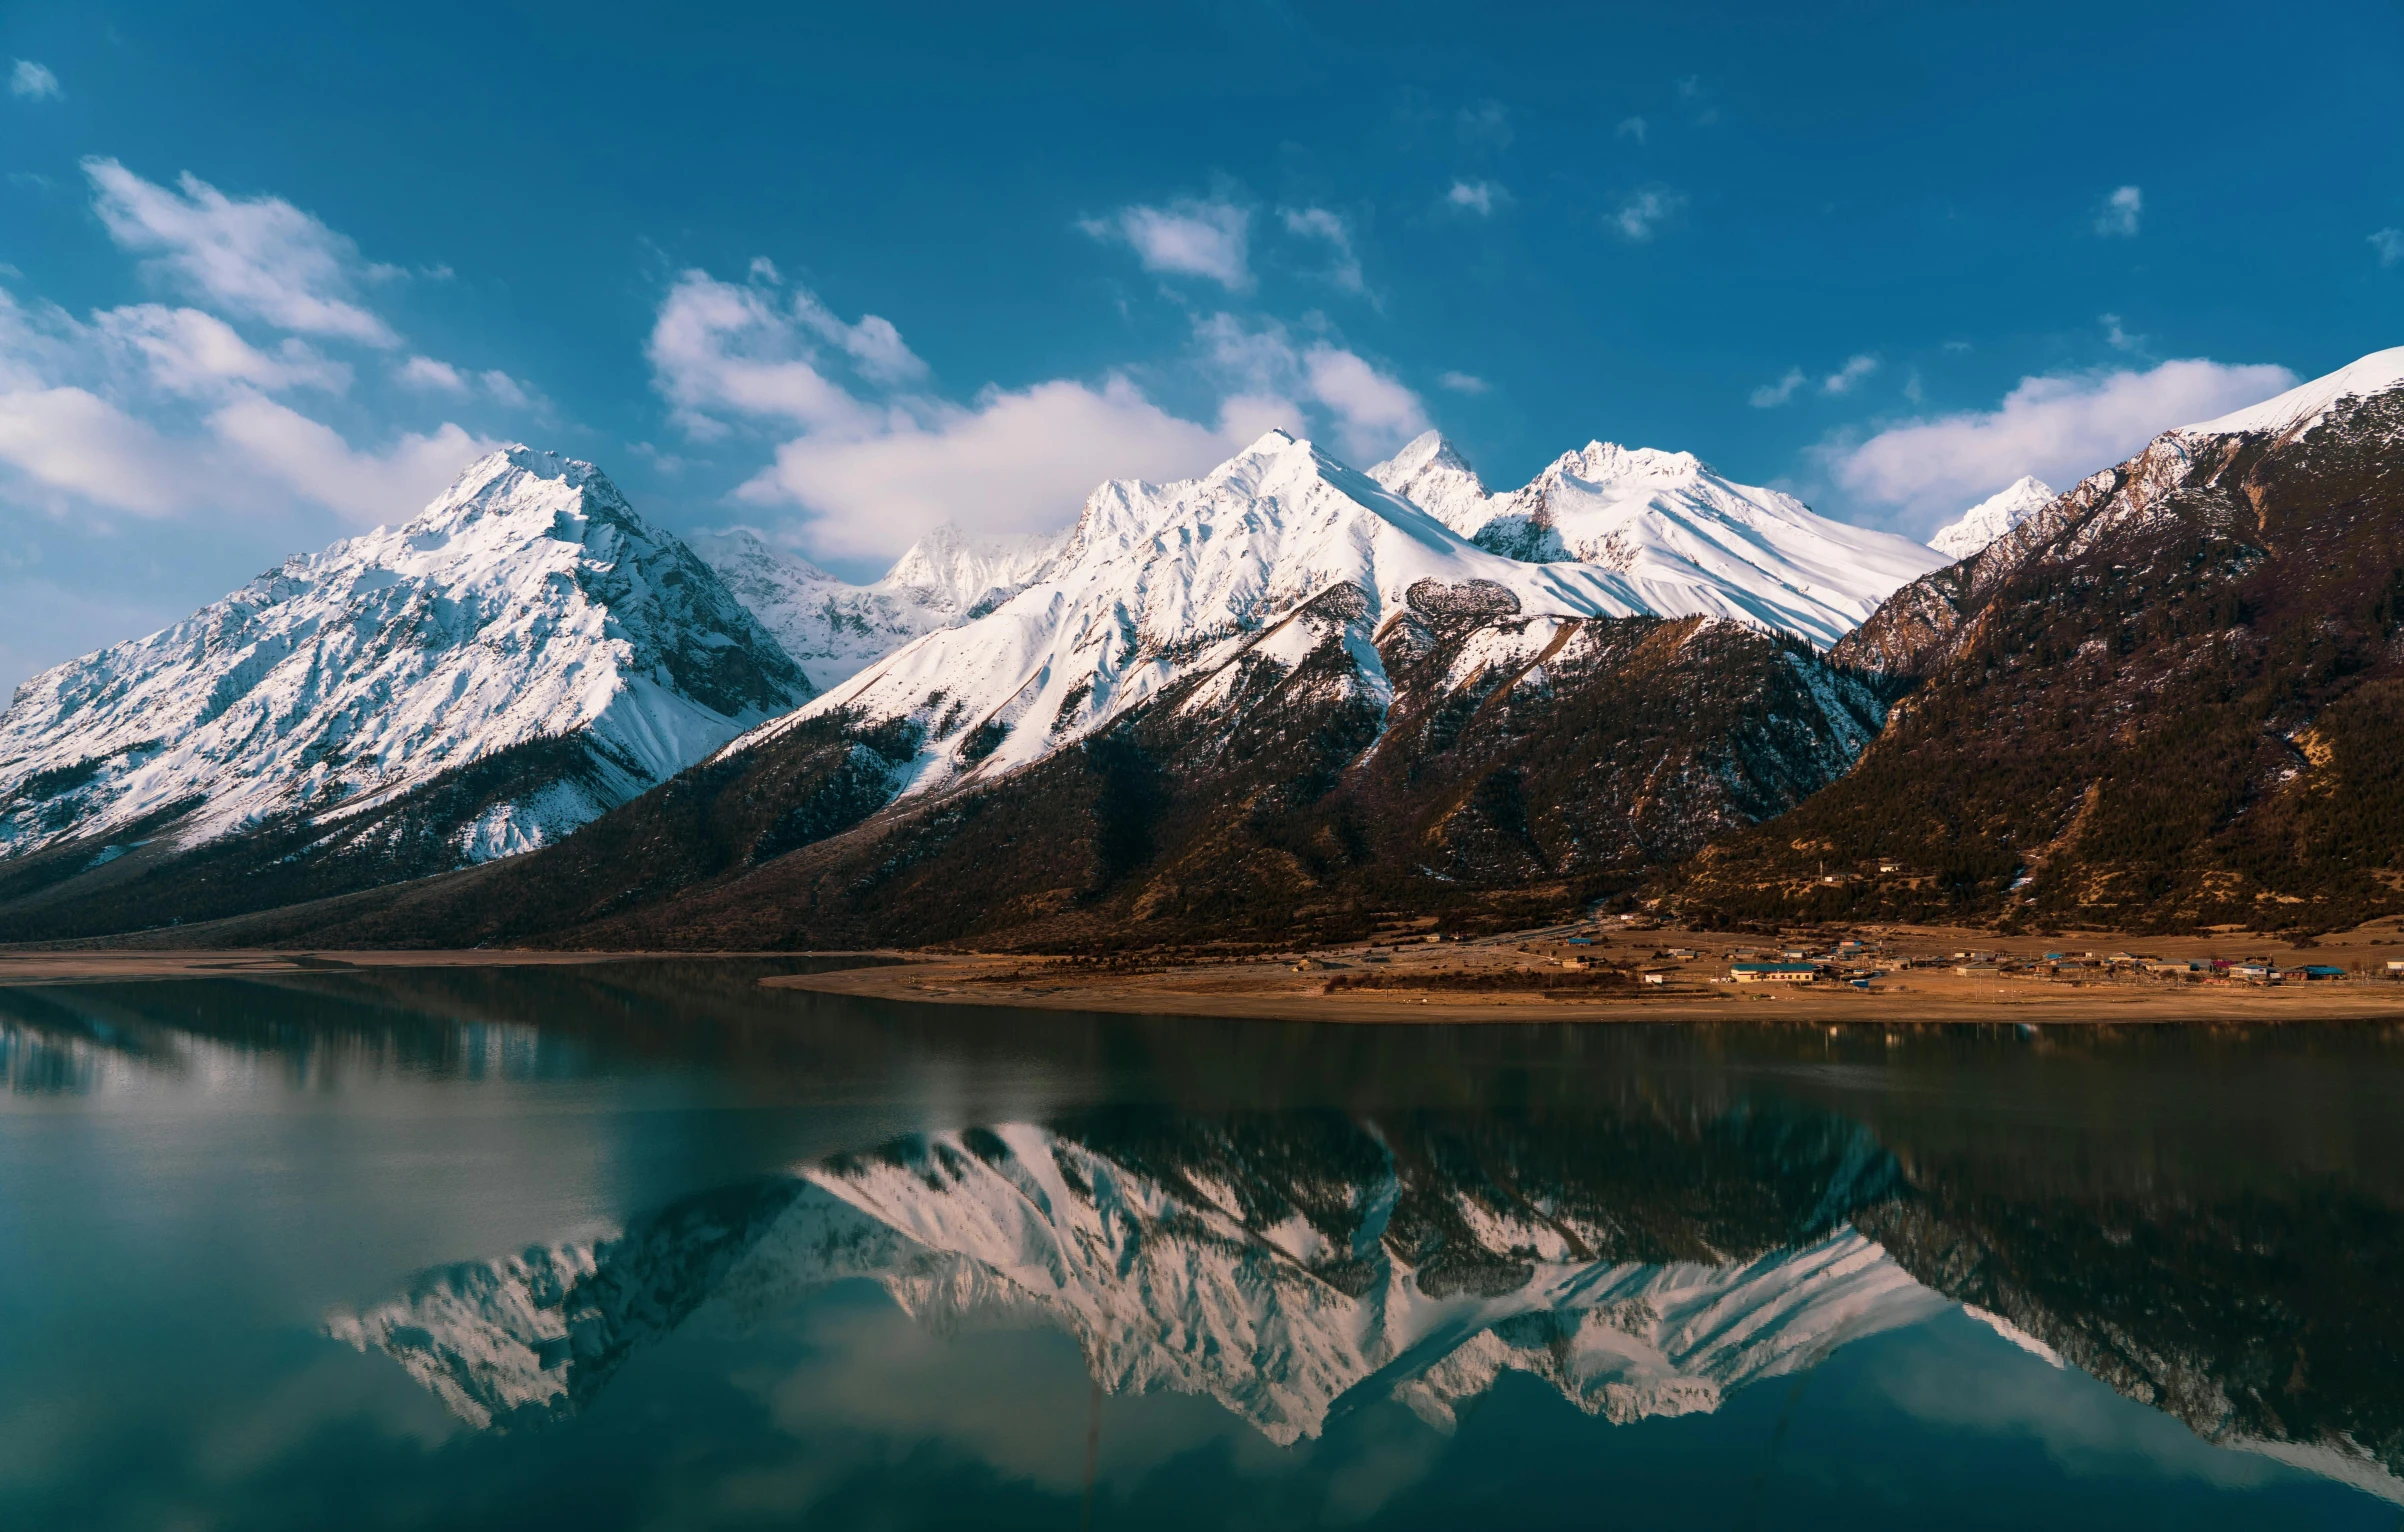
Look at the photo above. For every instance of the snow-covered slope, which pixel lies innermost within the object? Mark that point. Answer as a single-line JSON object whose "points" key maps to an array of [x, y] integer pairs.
{"points": [[834, 628], [2301, 408], [1688, 540], [1193, 1275], [528, 603], [1262, 561], [1992, 517]]}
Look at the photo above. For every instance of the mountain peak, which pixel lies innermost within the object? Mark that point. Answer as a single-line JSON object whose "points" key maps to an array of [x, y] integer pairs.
{"points": [[1992, 517]]}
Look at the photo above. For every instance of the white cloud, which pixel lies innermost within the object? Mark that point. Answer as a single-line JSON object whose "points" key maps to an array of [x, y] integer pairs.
{"points": [[1271, 380], [192, 354], [506, 390], [71, 440], [425, 372], [2059, 428], [1319, 223], [876, 465], [1633, 127], [740, 350], [30, 81], [2390, 245], [258, 257], [1479, 197], [2117, 338], [1642, 215], [2118, 217], [1018, 461], [1374, 413], [1189, 237], [1770, 395], [313, 459], [1848, 377], [1463, 383]]}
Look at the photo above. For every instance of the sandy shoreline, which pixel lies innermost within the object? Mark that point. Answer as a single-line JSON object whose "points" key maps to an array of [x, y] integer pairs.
{"points": [[1915, 998], [1417, 981]]}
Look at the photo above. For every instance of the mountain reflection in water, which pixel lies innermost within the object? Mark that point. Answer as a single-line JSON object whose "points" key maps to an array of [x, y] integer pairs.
{"points": [[772, 1256], [1291, 1266]]}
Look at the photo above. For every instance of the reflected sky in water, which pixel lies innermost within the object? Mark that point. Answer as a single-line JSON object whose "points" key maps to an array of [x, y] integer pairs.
{"points": [[645, 1245]]}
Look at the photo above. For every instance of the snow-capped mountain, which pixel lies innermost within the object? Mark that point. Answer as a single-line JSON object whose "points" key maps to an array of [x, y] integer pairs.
{"points": [[1688, 540], [528, 609], [1992, 517], [1276, 1290], [834, 628], [1217, 575]]}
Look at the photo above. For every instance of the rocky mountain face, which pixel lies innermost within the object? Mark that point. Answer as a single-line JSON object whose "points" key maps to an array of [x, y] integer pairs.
{"points": [[2174, 697], [834, 629], [1493, 766], [1689, 541], [523, 656], [1988, 520]]}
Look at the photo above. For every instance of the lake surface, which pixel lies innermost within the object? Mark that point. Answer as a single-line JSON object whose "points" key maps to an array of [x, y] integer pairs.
{"points": [[644, 1245]]}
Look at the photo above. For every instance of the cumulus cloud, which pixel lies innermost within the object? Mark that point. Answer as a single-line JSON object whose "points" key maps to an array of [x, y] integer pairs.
{"points": [[1016, 461], [30, 81], [1770, 395], [257, 257], [2060, 428], [718, 348], [1479, 197], [1643, 214], [876, 463], [2118, 217], [1850, 376], [1188, 238], [1319, 223], [2390, 245], [1463, 383]]}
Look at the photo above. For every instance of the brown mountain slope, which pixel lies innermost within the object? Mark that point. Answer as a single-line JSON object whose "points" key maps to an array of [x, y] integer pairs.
{"points": [[2175, 698], [1260, 804]]}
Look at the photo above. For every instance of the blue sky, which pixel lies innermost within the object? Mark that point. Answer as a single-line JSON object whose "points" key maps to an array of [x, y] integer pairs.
{"points": [[273, 273]]}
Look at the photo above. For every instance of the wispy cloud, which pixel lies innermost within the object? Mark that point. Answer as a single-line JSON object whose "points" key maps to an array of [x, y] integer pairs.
{"points": [[1320, 224], [30, 81], [1485, 125], [256, 257], [2118, 217], [1463, 383], [1643, 214], [2390, 245], [1850, 376], [1479, 197], [2060, 428], [1633, 127], [1189, 237], [2118, 338], [1770, 395]]}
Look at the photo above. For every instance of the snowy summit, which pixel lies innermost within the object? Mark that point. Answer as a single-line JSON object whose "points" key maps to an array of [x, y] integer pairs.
{"points": [[526, 606]]}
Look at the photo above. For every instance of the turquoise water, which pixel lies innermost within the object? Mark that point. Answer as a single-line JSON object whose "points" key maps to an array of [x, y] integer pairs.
{"points": [[644, 1245]]}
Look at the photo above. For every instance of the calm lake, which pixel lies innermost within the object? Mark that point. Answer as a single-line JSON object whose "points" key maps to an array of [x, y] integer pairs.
{"points": [[644, 1245]]}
